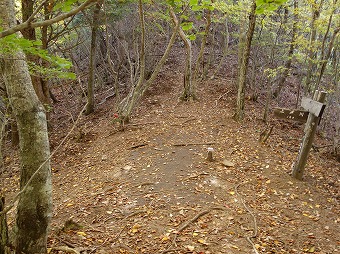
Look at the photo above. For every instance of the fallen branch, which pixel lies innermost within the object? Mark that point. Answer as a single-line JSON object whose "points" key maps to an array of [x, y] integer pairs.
{"points": [[196, 176], [248, 238], [137, 146], [194, 144], [187, 224]]}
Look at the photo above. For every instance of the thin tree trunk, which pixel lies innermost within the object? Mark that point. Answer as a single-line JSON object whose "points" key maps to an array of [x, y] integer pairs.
{"points": [[34, 209], [200, 58], [92, 65], [288, 63], [40, 85], [225, 48], [137, 92], [324, 58], [239, 114], [189, 92], [312, 51]]}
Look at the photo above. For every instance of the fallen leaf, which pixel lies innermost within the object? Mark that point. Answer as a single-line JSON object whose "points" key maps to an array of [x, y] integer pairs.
{"points": [[135, 228], [312, 249], [81, 233], [191, 248], [227, 163]]}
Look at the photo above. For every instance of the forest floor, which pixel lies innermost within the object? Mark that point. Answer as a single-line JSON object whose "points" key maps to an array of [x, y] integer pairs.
{"points": [[150, 189]]}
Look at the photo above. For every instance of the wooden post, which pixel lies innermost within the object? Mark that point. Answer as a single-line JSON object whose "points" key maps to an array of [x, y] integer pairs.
{"points": [[307, 141]]}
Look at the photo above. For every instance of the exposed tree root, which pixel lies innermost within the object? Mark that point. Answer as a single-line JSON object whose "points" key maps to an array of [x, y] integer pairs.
{"points": [[187, 224], [248, 238]]}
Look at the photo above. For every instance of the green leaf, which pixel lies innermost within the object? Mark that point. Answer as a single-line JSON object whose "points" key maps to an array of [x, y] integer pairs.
{"points": [[192, 37], [187, 26]]}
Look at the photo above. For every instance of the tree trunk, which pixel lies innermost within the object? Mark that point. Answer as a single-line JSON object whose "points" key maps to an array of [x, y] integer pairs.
{"points": [[34, 209], [3, 228], [225, 48], [137, 92], [189, 92], [200, 58], [92, 65], [288, 63], [40, 85], [312, 50], [239, 114]]}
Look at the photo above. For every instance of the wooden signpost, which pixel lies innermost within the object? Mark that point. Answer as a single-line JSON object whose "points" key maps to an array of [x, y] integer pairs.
{"points": [[314, 110]]}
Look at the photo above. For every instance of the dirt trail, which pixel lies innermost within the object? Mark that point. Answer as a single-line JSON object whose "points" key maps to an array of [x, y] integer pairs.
{"points": [[150, 189]]}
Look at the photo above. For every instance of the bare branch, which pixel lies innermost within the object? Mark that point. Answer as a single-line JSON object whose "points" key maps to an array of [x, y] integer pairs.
{"points": [[48, 22]]}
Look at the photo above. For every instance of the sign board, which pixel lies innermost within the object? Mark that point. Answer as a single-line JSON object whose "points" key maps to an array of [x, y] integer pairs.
{"points": [[314, 107], [296, 115]]}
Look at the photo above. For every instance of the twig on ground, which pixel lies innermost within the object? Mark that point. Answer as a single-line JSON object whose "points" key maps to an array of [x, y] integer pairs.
{"points": [[137, 146], [196, 176], [248, 238], [66, 242], [194, 144], [187, 223]]}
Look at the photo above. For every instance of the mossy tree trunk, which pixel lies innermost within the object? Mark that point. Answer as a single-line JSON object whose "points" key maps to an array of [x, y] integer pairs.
{"points": [[239, 114], [34, 208]]}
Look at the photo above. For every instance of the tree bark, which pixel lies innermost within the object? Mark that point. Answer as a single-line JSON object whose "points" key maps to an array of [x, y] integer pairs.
{"points": [[40, 85], [3, 228], [34, 209], [189, 92], [92, 65], [200, 58], [128, 104], [288, 63], [312, 41], [239, 114]]}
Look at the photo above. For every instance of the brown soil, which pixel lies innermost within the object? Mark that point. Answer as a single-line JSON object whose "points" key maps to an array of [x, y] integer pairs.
{"points": [[150, 189]]}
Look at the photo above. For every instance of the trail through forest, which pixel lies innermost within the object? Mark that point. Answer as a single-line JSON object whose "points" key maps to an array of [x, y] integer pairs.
{"points": [[150, 188]]}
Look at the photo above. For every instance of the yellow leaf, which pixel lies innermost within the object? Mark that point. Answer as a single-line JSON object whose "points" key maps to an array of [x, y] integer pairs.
{"points": [[202, 241], [305, 214], [81, 233], [257, 246], [232, 192], [195, 234], [312, 249], [135, 228], [69, 204], [235, 247], [268, 181], [165, 238]]}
